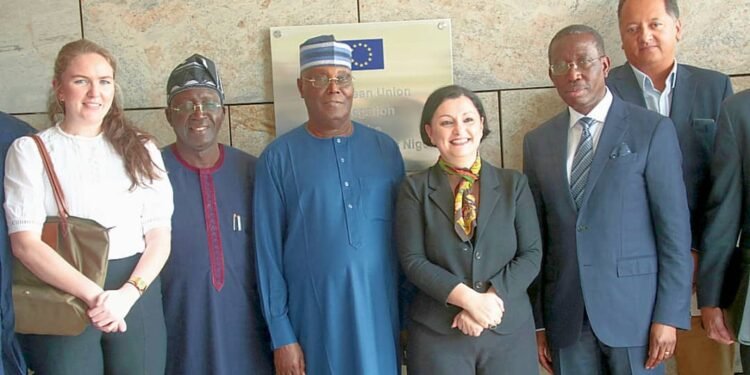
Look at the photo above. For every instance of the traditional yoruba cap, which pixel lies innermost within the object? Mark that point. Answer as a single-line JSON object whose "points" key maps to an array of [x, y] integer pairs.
{"points": [[196, 71], [324, 50]]}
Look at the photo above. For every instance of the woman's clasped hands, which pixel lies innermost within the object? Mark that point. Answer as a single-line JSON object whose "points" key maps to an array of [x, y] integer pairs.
{"points": [[109, 308], [484, 311]]}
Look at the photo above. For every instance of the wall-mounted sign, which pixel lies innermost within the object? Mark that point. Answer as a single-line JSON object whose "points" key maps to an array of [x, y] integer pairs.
{"points": [[396, 66]]}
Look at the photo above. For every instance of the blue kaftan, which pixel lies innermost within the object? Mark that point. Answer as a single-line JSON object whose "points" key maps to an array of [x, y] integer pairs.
{"points": [[327, 265], [213, 328]]}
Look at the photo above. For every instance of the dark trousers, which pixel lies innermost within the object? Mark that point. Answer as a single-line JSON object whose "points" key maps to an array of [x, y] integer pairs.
{"points": [[432, 353], [141, 350], [589, 356], [745, 358]]}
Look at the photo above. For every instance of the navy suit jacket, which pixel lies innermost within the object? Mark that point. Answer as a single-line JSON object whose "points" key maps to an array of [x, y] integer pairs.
{"points": [[728, 208], [506, 252], [625, 256], [13, 363], [696, 100]]}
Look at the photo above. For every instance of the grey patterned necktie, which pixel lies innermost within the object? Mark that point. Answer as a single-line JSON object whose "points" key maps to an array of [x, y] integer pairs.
{"points": [[579, 173]]}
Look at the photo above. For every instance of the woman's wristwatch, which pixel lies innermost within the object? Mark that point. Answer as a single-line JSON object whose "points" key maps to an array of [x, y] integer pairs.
{"points": [[138, 283]]}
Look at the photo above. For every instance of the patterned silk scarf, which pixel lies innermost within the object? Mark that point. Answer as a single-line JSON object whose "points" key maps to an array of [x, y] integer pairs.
{"points": [[465, 203]]}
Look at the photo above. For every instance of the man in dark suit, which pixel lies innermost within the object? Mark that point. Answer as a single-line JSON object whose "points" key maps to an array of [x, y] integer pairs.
{"points": [[728, 215], [11, 357], [690, 96], [606, 178]]}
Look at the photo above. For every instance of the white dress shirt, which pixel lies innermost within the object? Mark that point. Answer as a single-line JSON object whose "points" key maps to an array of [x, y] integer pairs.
{"points": [[96, 186], [599, 114]]}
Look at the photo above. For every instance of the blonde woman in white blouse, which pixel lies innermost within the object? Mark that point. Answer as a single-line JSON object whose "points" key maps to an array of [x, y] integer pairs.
{"points": [[110, 173]]}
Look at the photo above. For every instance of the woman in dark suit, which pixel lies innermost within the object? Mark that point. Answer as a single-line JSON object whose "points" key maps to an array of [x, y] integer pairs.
{"points": [[468, 238]]}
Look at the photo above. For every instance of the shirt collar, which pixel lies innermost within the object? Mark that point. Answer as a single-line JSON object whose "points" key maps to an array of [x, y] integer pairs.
{"points": [[644, 81], [599, 113]]}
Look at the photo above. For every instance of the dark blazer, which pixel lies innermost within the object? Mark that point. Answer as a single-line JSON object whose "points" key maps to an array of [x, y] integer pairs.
{"points": [[506, 251], [696, 99], [625, 256], [11, 128], [728, 208]]}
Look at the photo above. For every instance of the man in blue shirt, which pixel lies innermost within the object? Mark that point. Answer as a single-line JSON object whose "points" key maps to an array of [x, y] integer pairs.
{"points": [[652, 78]]}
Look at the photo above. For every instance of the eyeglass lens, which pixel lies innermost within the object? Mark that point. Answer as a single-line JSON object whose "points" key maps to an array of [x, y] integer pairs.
{"points": [[190, 107]]}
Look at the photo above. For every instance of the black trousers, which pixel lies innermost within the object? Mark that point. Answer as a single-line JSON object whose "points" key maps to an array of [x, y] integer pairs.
{"points": [[141, 350], [432, 353]]}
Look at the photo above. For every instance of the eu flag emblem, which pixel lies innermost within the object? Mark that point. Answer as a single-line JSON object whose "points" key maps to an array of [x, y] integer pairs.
{"points": [[367, 54]]}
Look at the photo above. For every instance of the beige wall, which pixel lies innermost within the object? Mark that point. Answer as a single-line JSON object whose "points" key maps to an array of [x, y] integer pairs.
{"points": [[499, 49]]}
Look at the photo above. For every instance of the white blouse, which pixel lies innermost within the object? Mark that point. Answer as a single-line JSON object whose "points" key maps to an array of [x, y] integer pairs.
{"points": [[96, 186]]}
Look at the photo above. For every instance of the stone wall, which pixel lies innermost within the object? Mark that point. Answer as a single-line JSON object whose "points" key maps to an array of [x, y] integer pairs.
{"points": [[499, 50]]}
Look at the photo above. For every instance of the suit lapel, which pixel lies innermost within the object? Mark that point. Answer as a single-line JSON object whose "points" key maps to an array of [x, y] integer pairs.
{"points": [[441, 194], [489, 194], [612, 134], [627, 86], [682, 97]]}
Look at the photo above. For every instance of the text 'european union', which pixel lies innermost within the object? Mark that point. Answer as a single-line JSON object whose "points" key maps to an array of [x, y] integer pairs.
{"points": [[367, 54]]}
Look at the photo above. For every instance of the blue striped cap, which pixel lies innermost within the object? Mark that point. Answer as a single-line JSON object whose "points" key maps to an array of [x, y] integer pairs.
{"points": [[324, 50]]}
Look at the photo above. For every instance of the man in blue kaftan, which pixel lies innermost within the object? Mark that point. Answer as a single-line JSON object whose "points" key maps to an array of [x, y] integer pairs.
{"points": [[211, 305], [324, 199]]}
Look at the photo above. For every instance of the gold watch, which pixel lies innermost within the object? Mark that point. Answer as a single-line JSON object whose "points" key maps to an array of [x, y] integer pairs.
{"points": [[138, 283]]}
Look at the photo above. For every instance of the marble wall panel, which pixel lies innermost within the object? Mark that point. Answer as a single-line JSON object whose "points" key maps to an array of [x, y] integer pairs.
{"points": [[252, 127], [37, 121], [155, 123], [500, 45], [522, 111], [151, 37], [497, 45], [491, 147], [32, 32], [741, 83], [714, 35]]}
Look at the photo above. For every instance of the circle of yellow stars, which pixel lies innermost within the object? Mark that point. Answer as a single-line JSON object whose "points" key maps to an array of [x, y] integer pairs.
{"points": [[360, 64]]}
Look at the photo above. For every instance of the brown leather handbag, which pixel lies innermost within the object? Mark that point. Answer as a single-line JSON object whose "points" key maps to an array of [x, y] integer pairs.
{"points": [[41, 308]]}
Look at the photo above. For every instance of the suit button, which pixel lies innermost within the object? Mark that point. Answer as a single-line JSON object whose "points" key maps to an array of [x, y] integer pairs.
{"points": [[465, 248], [478, 255], [582, 228], [478, 285]]}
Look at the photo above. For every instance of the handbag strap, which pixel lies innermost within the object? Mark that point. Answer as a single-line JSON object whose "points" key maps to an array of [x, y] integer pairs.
{"points": [[62, 208]]}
